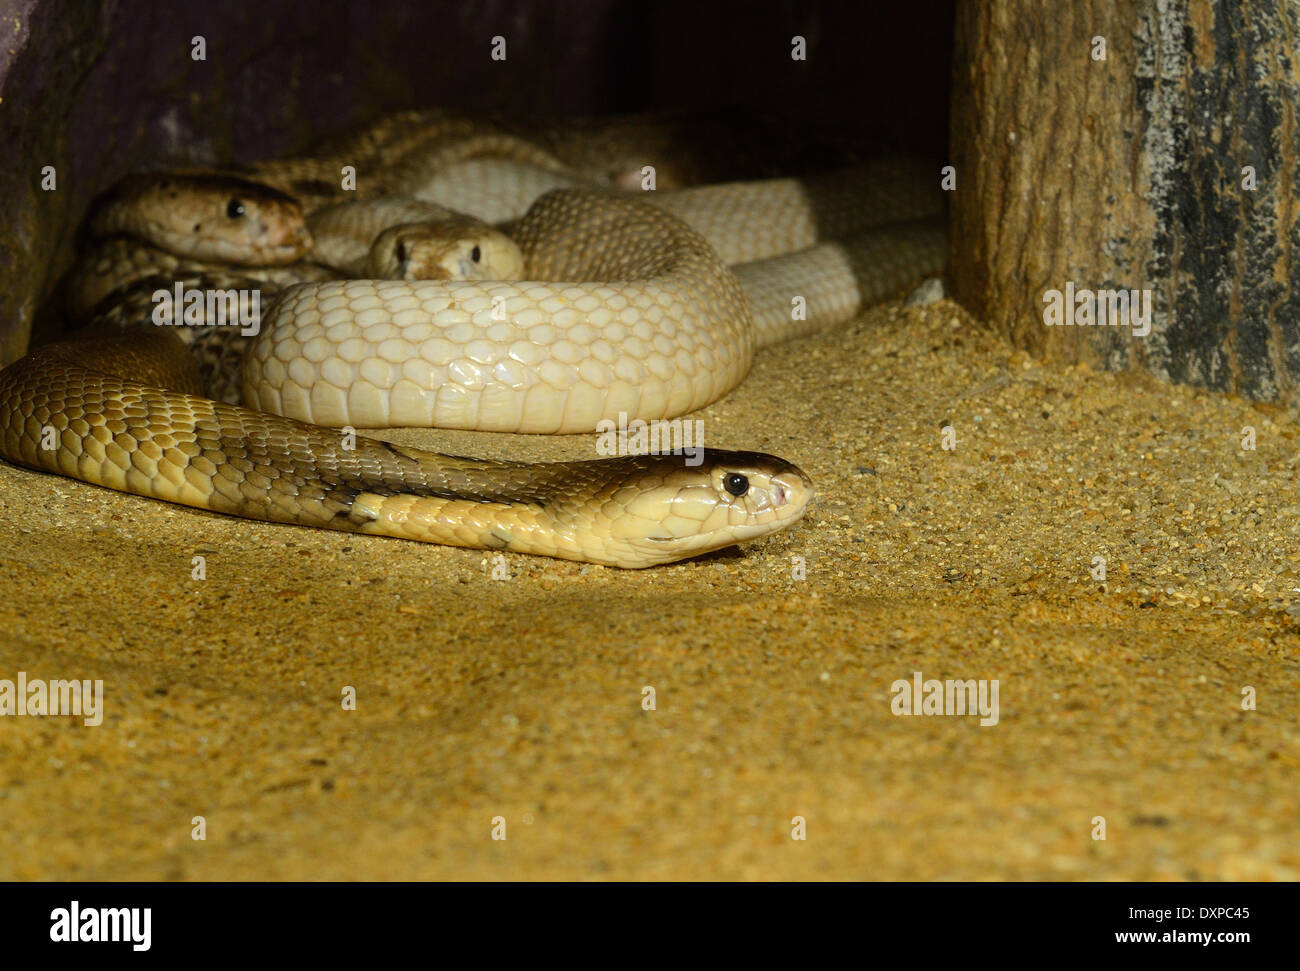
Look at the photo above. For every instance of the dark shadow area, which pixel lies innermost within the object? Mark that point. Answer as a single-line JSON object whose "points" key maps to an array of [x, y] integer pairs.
{"points": [[97, 91]]}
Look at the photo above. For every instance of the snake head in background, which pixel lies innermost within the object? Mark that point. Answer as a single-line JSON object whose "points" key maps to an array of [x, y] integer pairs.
{"points": [[666, 508], [205, 216], [448, 249]]}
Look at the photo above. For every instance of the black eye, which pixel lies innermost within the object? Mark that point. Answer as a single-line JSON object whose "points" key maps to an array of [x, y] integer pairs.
{"points": [[476, 254], [234, 209], [736, 484]]}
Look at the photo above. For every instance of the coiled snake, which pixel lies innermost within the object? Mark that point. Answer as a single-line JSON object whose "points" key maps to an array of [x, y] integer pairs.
{"points": [[623, 308]]}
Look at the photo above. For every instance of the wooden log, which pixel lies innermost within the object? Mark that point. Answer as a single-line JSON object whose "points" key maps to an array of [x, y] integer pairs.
{"points": [[1136, 145]]}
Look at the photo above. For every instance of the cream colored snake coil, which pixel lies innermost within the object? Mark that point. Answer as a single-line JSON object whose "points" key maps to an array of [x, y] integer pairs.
{"points": [[624, 308]]}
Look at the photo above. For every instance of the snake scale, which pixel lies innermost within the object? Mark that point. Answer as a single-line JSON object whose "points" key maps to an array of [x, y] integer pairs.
{"points": [[613, 305]]}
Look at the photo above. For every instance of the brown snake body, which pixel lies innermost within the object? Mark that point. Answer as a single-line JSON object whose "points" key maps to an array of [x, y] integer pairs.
{"points": [[623, 308]]}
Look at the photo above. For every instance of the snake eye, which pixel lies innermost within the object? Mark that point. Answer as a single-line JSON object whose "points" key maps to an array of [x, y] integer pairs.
{"points": [[234, 209], [476, 254], [736, 484], [401, 252]]}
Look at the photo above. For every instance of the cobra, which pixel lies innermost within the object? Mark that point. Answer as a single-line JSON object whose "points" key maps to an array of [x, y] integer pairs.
{"points": [[623, 308]]}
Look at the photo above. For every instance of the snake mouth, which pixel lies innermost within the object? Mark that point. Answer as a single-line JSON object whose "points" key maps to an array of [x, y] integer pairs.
{"points": [[789, 488], [780, 493], [278, 245]]}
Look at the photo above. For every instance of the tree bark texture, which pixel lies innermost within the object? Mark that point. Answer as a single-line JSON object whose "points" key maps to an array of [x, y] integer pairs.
{"points": [[1133, 173]]}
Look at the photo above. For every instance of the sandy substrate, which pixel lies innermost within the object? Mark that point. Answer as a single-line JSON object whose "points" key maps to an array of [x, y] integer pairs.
{"points": [[522, 698]]}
